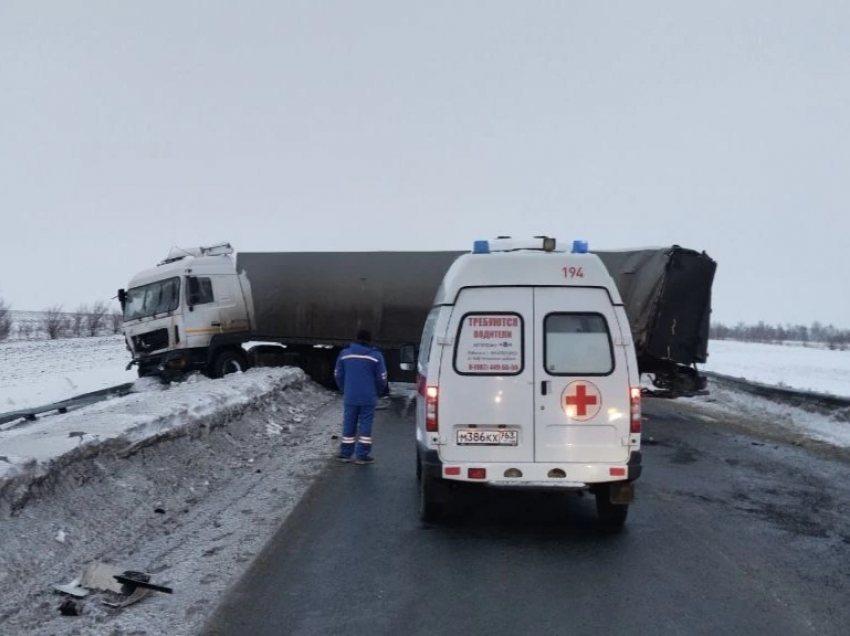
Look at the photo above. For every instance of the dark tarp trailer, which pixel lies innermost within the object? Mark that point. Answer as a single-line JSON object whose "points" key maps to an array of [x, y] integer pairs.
{"points": [[667, 297]]}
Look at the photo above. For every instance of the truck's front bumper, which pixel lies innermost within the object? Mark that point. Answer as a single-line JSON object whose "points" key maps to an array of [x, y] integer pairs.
{"points": [[179, 361]]}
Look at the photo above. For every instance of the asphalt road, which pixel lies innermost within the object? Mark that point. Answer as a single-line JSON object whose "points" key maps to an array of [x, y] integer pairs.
{"points": [[730, 535]]}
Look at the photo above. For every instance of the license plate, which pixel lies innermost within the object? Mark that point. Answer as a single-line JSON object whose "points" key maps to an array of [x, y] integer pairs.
{"points": [[487, 438]]}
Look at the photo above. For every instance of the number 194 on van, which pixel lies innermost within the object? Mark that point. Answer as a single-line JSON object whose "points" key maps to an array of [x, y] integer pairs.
{"points": [[469, 437]]}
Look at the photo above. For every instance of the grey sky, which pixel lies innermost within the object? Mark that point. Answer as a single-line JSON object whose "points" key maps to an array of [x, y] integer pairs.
{"points": [[129, 127]]}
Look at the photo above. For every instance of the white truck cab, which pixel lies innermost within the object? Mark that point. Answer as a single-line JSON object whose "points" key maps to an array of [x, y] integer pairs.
{"points": [[527, 378], [191, 311]]}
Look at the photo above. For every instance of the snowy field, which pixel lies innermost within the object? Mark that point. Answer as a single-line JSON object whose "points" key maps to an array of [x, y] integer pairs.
{"points": [[36, 372], [793, 366]]}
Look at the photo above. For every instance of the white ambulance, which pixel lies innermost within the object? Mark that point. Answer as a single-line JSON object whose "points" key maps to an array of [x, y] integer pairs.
{"points": [[528, 378]]}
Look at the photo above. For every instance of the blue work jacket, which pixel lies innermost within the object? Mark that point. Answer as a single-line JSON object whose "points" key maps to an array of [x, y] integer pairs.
{"points": [[361, 374]]}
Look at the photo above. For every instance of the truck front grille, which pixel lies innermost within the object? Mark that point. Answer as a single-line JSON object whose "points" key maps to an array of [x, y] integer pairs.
{"points": [[151, 341]]}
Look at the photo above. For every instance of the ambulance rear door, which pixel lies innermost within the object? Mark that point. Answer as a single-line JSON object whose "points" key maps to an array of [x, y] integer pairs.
{"points": [[486, 388], [582, 407]]}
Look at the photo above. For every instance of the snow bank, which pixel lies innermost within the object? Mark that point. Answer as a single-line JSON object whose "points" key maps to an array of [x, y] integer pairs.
{"points": [[30, 451], [791, 366], [796, 424], [187, 486]]}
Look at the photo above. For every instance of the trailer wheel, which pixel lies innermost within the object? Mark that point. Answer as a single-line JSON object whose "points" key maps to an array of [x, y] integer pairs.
{"points": [[229, 361]]}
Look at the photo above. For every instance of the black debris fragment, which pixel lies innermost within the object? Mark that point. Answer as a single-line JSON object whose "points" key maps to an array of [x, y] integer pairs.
{"points": [[131, 580], [70, 608]]}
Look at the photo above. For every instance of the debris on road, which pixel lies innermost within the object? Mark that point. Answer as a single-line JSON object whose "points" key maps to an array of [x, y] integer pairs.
{"points": [[72, 589], [70, 608], [123, 587]]}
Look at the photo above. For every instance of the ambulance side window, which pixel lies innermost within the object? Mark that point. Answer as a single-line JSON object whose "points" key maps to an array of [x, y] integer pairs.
{"points": [[427, 338], [577, 344]]}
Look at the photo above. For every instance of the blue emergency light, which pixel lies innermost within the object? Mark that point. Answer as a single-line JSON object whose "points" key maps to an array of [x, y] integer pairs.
{"points": [[580, 247], [481, 247]]}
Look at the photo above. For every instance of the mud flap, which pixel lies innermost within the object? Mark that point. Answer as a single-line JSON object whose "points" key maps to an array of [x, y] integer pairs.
{"points": [[621, 493]]}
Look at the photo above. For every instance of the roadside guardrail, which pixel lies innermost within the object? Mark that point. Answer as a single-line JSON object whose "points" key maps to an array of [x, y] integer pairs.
{"points": [[78, 401]]}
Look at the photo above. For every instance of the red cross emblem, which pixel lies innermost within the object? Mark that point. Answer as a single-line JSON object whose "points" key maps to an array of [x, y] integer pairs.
{"points": [[581, 400]]}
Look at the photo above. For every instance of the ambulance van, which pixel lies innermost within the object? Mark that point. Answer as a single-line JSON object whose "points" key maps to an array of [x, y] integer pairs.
{"points": [[527, 378]]}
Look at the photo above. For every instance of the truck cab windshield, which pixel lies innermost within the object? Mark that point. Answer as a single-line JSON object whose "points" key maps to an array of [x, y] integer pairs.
{"points": [[156, 298]]}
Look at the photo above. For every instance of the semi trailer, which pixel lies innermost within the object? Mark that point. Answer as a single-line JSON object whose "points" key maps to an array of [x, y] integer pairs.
{"points": [[202, 309]]}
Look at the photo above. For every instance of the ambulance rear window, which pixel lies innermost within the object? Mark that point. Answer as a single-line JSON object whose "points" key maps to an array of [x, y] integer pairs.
{"points": [[577, 344], [490, 344]]}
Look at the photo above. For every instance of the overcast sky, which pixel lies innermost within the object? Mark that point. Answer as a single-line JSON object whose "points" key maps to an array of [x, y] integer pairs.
{"points": [[128, 127]]}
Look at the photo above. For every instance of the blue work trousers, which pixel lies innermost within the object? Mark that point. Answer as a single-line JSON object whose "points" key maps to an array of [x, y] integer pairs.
{"points": [[357, 429]]}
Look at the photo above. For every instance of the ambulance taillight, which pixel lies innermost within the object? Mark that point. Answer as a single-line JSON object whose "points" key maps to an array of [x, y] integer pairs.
{"points": [[431, 397], [634, 399]]}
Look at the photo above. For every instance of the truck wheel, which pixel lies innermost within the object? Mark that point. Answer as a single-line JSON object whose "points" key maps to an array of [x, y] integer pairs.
{"points": [[429, 508], [610, 515], [229, 361]]}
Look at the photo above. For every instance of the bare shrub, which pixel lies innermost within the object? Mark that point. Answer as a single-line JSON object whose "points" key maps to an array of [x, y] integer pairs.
{"points": [[5, 320], [25, 330], [96, 318], [117, 321], [78, 320], [54, 322]]}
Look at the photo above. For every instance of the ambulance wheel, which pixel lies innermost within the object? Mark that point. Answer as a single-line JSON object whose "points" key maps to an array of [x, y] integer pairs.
{"points": [[229, 361], [429, 508], [418, 467], [610, 515]]}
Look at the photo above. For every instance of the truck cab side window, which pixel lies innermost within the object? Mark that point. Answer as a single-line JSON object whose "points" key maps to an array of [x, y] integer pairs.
{"points": [[200, 291]]}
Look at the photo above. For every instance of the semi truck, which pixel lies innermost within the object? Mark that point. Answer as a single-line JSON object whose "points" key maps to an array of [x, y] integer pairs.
{"points": [[202, 309]]}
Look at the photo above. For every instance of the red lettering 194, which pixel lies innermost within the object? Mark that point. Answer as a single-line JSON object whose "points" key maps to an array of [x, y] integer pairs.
{"points": [[573, 272]]}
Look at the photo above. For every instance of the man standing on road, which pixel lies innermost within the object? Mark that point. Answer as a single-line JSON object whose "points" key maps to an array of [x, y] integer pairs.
{"points": [[361, 375]]}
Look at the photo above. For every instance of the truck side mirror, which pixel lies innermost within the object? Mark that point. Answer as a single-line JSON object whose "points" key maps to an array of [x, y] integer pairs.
{"points": [[407, 355], [122, 298], [192, 292]]}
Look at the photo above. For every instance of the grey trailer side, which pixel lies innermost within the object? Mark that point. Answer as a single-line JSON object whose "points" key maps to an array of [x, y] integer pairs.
{"points": [[315, 302]]}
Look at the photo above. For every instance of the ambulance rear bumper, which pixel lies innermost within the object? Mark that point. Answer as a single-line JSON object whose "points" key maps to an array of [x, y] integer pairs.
{"points": [[566, 476]]}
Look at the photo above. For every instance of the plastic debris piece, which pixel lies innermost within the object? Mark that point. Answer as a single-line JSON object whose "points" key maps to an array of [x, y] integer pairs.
{"points": [[138, 594], [73, 588], [99, 576]]}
